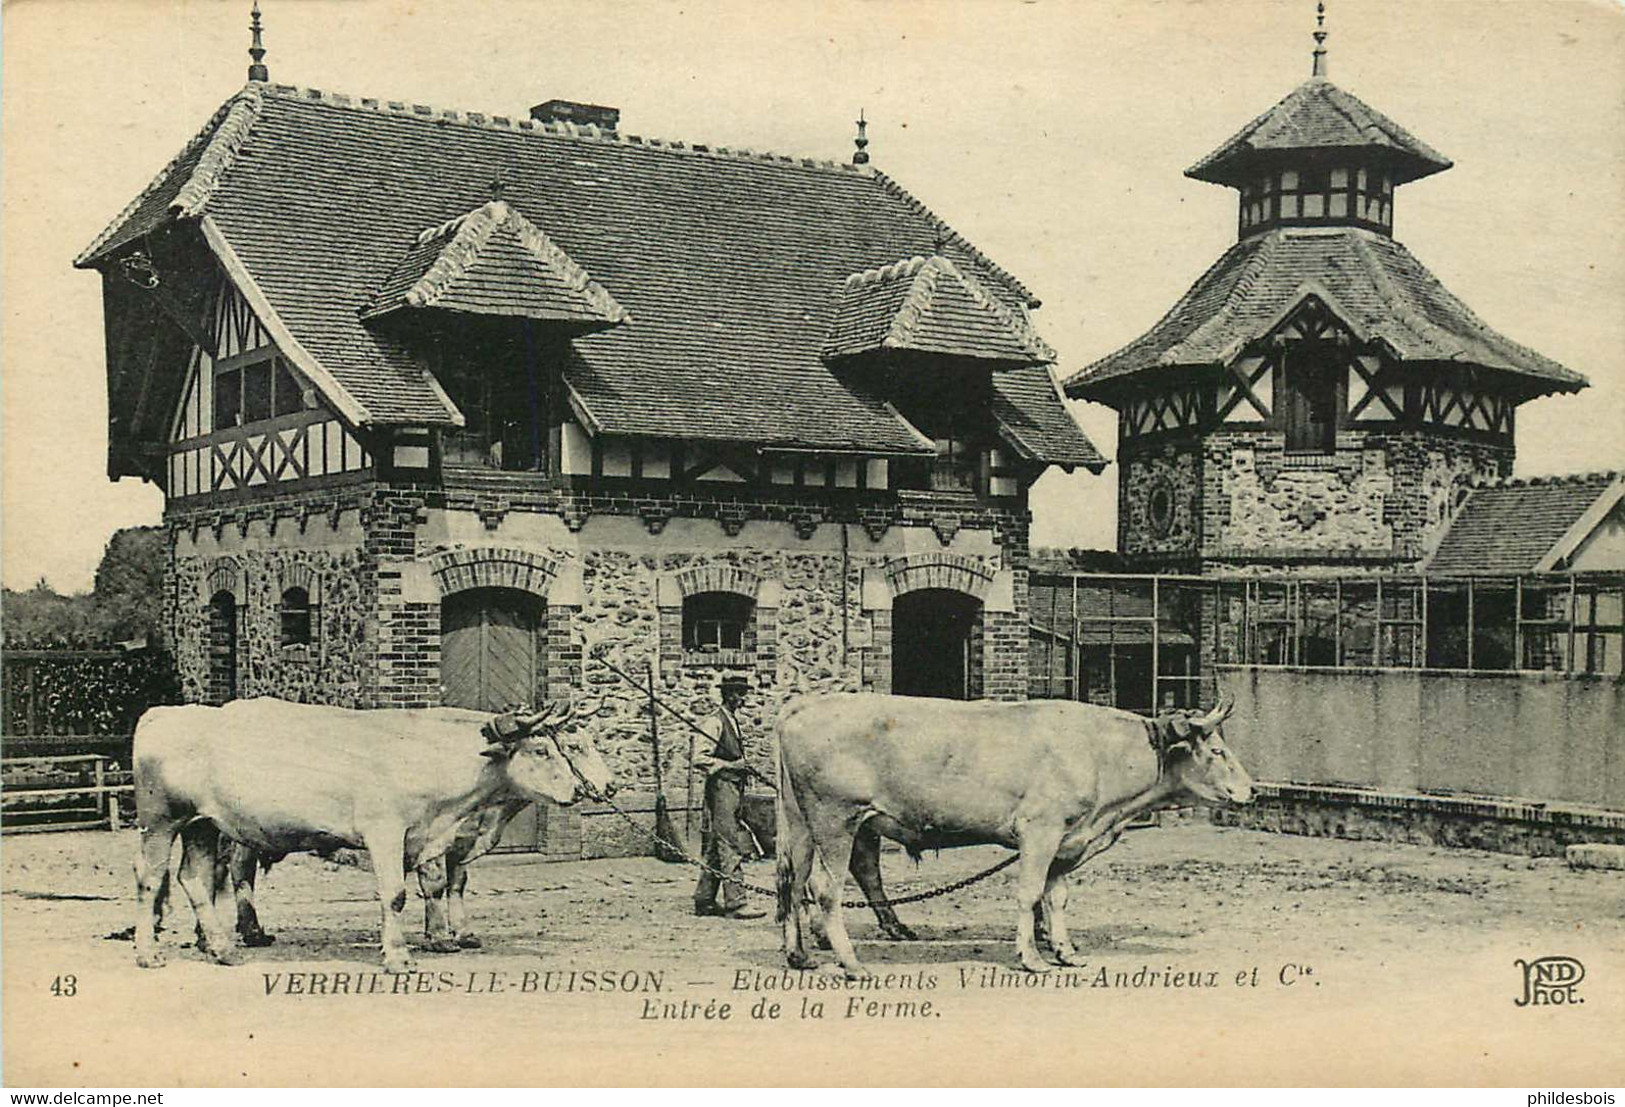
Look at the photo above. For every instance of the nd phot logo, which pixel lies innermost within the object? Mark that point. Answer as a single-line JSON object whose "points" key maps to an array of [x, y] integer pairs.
{"points": [[1550, 981]]}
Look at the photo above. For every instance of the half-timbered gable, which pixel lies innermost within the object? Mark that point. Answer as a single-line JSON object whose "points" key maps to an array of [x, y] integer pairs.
{"points": [[248, 420]]}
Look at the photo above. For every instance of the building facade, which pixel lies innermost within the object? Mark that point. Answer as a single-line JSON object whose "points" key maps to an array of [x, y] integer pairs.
{"points": [[456, 408], [1318, 399]]}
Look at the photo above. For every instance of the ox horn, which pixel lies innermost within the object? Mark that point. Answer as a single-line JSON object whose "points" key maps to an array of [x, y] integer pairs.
{"points": [[548, 715], [1220, 712]]}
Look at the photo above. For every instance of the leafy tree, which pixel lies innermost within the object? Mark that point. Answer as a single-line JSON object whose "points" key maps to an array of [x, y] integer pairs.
{"points": [[130, 584]]}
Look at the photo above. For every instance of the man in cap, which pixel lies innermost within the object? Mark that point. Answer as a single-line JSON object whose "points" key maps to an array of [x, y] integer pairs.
{"points": [[720, 827]]}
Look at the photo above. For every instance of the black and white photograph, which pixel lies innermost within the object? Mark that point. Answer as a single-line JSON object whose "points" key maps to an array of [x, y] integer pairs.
{"points": [[556, 543]]}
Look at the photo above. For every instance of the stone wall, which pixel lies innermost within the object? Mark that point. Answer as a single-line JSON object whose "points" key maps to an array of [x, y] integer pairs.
{"points": [[1159, 500], [1383, 498], [379, 559], [335, 668], [1532, 830]]}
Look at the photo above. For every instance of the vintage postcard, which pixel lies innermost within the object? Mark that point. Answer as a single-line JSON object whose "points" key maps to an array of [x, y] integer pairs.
{"points": [[833, 543]]}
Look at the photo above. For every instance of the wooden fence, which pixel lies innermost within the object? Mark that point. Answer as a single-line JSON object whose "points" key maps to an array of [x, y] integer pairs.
{"points": [[65, 728], [75, 791]]}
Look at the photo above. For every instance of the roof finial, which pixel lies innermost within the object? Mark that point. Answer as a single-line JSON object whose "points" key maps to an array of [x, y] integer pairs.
{"points": [[1320, 41], [256, 50], [861, 141], [499, 184]]}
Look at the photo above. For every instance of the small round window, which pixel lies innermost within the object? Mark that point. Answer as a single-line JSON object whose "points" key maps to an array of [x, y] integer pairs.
{"points": [[1160, 508]]}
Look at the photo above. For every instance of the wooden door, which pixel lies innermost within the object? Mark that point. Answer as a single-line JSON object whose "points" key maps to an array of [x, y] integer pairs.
{"points": [[490, 649], [491, 659]]}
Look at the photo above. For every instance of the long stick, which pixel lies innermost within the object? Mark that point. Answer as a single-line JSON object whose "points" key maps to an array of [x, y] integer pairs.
{"points": [[696, 728]]}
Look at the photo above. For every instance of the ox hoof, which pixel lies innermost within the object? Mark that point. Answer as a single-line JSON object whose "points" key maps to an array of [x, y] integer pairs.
{"points": [[897, 932], [153, 960], [441, 945], [798, 959], [858, 972], [1037, 965], [258, 939], [398, 965], [226, 957], [469, 941], [1069, 957]]}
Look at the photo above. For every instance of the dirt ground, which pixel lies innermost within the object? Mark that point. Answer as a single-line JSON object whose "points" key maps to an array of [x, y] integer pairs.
{"points": [[1213, 954]]}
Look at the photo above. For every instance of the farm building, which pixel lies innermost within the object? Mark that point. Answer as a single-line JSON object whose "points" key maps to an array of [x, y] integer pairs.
{"points": [[474, 409], [1317, 399], [1315, 511]]}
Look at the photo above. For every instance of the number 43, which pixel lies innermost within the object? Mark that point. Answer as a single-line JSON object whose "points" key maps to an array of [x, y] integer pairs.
{"points": [[65, 986]]}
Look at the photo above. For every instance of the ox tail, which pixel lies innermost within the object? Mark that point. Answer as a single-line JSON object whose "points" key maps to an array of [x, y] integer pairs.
{"points": [[790, 830]]}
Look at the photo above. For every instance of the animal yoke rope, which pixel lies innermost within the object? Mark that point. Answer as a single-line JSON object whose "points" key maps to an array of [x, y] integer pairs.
{"points": [[946, 889]]}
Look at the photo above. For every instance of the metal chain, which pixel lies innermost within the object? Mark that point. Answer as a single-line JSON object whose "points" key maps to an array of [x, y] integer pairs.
{"points": [[946, 889]]}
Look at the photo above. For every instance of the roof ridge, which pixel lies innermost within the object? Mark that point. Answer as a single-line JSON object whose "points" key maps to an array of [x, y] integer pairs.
{"points": [[1254, 243], [1487, 335], [1392, 130], [1248, 274], [891, 270], [1600, 478], [590, 132], [1004, 275], [925, 273], [470, 233], [204, 135], [1404, 311]]}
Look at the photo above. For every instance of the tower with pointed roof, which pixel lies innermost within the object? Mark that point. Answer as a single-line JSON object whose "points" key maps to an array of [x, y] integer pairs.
{"points": [[1317, 398]]}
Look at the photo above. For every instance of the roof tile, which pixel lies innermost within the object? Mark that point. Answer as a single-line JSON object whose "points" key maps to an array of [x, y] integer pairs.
{"points": [[732, 264], [1509, 528], [1390, 294]]}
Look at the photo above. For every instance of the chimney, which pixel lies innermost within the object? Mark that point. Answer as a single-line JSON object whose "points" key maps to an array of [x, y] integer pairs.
{"points": [[569, 111]]}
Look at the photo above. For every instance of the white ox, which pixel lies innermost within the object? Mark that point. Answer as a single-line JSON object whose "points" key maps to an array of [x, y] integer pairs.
{"points": [[280, 778], [1054, 779]]}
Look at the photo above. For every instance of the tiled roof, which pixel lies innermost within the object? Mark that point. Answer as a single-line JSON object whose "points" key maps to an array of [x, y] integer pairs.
{"points": [[1319, 115], [1370, 281], [494, 261], [731, 264], [929, 305], [1513, 526], [1031, 417]]}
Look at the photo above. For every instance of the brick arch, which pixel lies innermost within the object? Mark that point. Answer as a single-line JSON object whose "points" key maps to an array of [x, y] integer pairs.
{"points": [[300, 575], [938, 570], [718, 578], [493, 567], [226, 575]]}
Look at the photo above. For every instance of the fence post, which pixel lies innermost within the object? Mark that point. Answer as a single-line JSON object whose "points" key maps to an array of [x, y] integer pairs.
{"points": [[1076, 646], [1376, 630], [1568, 666], [1156, 628], [1470, 601], [1517, 623], [110, 797]]}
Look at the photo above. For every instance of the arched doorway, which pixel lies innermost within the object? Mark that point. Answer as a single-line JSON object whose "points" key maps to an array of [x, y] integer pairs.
{"points": [[935, 651], [491, 655], [492, 658], [222, 648]]}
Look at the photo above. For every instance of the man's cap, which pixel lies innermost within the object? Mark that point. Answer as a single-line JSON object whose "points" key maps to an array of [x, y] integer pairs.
{"points": [[735, 684]]}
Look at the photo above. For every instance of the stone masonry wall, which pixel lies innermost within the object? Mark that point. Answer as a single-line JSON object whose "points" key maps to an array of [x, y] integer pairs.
{"points": [[1171, 470], [1382, 498]]}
